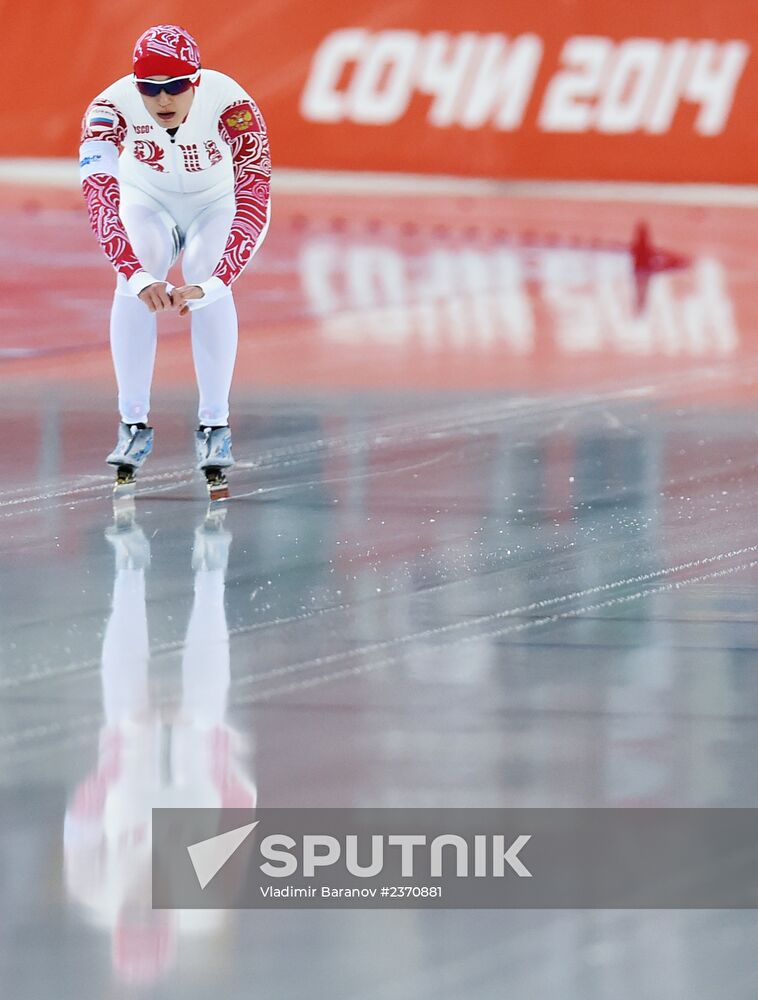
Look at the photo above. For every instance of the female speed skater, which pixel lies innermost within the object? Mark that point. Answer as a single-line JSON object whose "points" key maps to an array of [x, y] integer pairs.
{"points": [[175, 159]]}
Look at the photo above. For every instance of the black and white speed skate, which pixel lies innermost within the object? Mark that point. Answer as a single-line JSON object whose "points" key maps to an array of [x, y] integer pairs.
{"points": [[135, 442], [213, 450]]}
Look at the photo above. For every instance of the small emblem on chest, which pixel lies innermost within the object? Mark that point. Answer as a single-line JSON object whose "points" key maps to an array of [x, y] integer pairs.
{"points": [[149, 153]]}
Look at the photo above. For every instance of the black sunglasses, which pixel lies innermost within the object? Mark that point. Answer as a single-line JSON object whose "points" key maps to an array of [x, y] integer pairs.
{"points": [[176, 85]]}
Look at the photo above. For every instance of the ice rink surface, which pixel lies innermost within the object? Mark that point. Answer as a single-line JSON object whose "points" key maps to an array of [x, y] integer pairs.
{"points": [[491, 541]]}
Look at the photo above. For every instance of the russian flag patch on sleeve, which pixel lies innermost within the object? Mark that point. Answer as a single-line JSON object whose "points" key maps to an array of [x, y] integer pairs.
{"points": [[100, 119]]}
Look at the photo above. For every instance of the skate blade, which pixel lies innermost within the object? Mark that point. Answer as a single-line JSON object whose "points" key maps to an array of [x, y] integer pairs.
{"points": [[218, 485], [123, 489]]}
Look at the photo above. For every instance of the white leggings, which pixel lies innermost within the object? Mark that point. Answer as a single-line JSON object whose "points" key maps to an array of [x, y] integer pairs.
{"points": [[205, 661], [156, 235]]}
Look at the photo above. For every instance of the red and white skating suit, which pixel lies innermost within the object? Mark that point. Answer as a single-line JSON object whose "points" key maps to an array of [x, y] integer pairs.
{"points": [[204, 190]]}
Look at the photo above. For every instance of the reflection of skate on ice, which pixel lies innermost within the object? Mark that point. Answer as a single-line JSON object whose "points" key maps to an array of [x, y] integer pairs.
{"points": [[128, 540], [211, 548], [123, 504]]}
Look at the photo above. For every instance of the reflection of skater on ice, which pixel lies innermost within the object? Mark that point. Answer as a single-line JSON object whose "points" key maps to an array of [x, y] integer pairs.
{"points": [[150, 757]]}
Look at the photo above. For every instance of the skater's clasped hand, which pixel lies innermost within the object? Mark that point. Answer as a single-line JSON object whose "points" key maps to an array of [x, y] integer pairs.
{"points": [[157, 298], [183, 295]]}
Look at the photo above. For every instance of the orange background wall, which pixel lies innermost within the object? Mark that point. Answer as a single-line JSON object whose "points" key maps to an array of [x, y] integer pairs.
{"points": [[56, 58]]}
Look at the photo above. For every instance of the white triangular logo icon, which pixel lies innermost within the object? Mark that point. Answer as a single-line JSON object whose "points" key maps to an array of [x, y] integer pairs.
{"points": [[209, 856]]}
